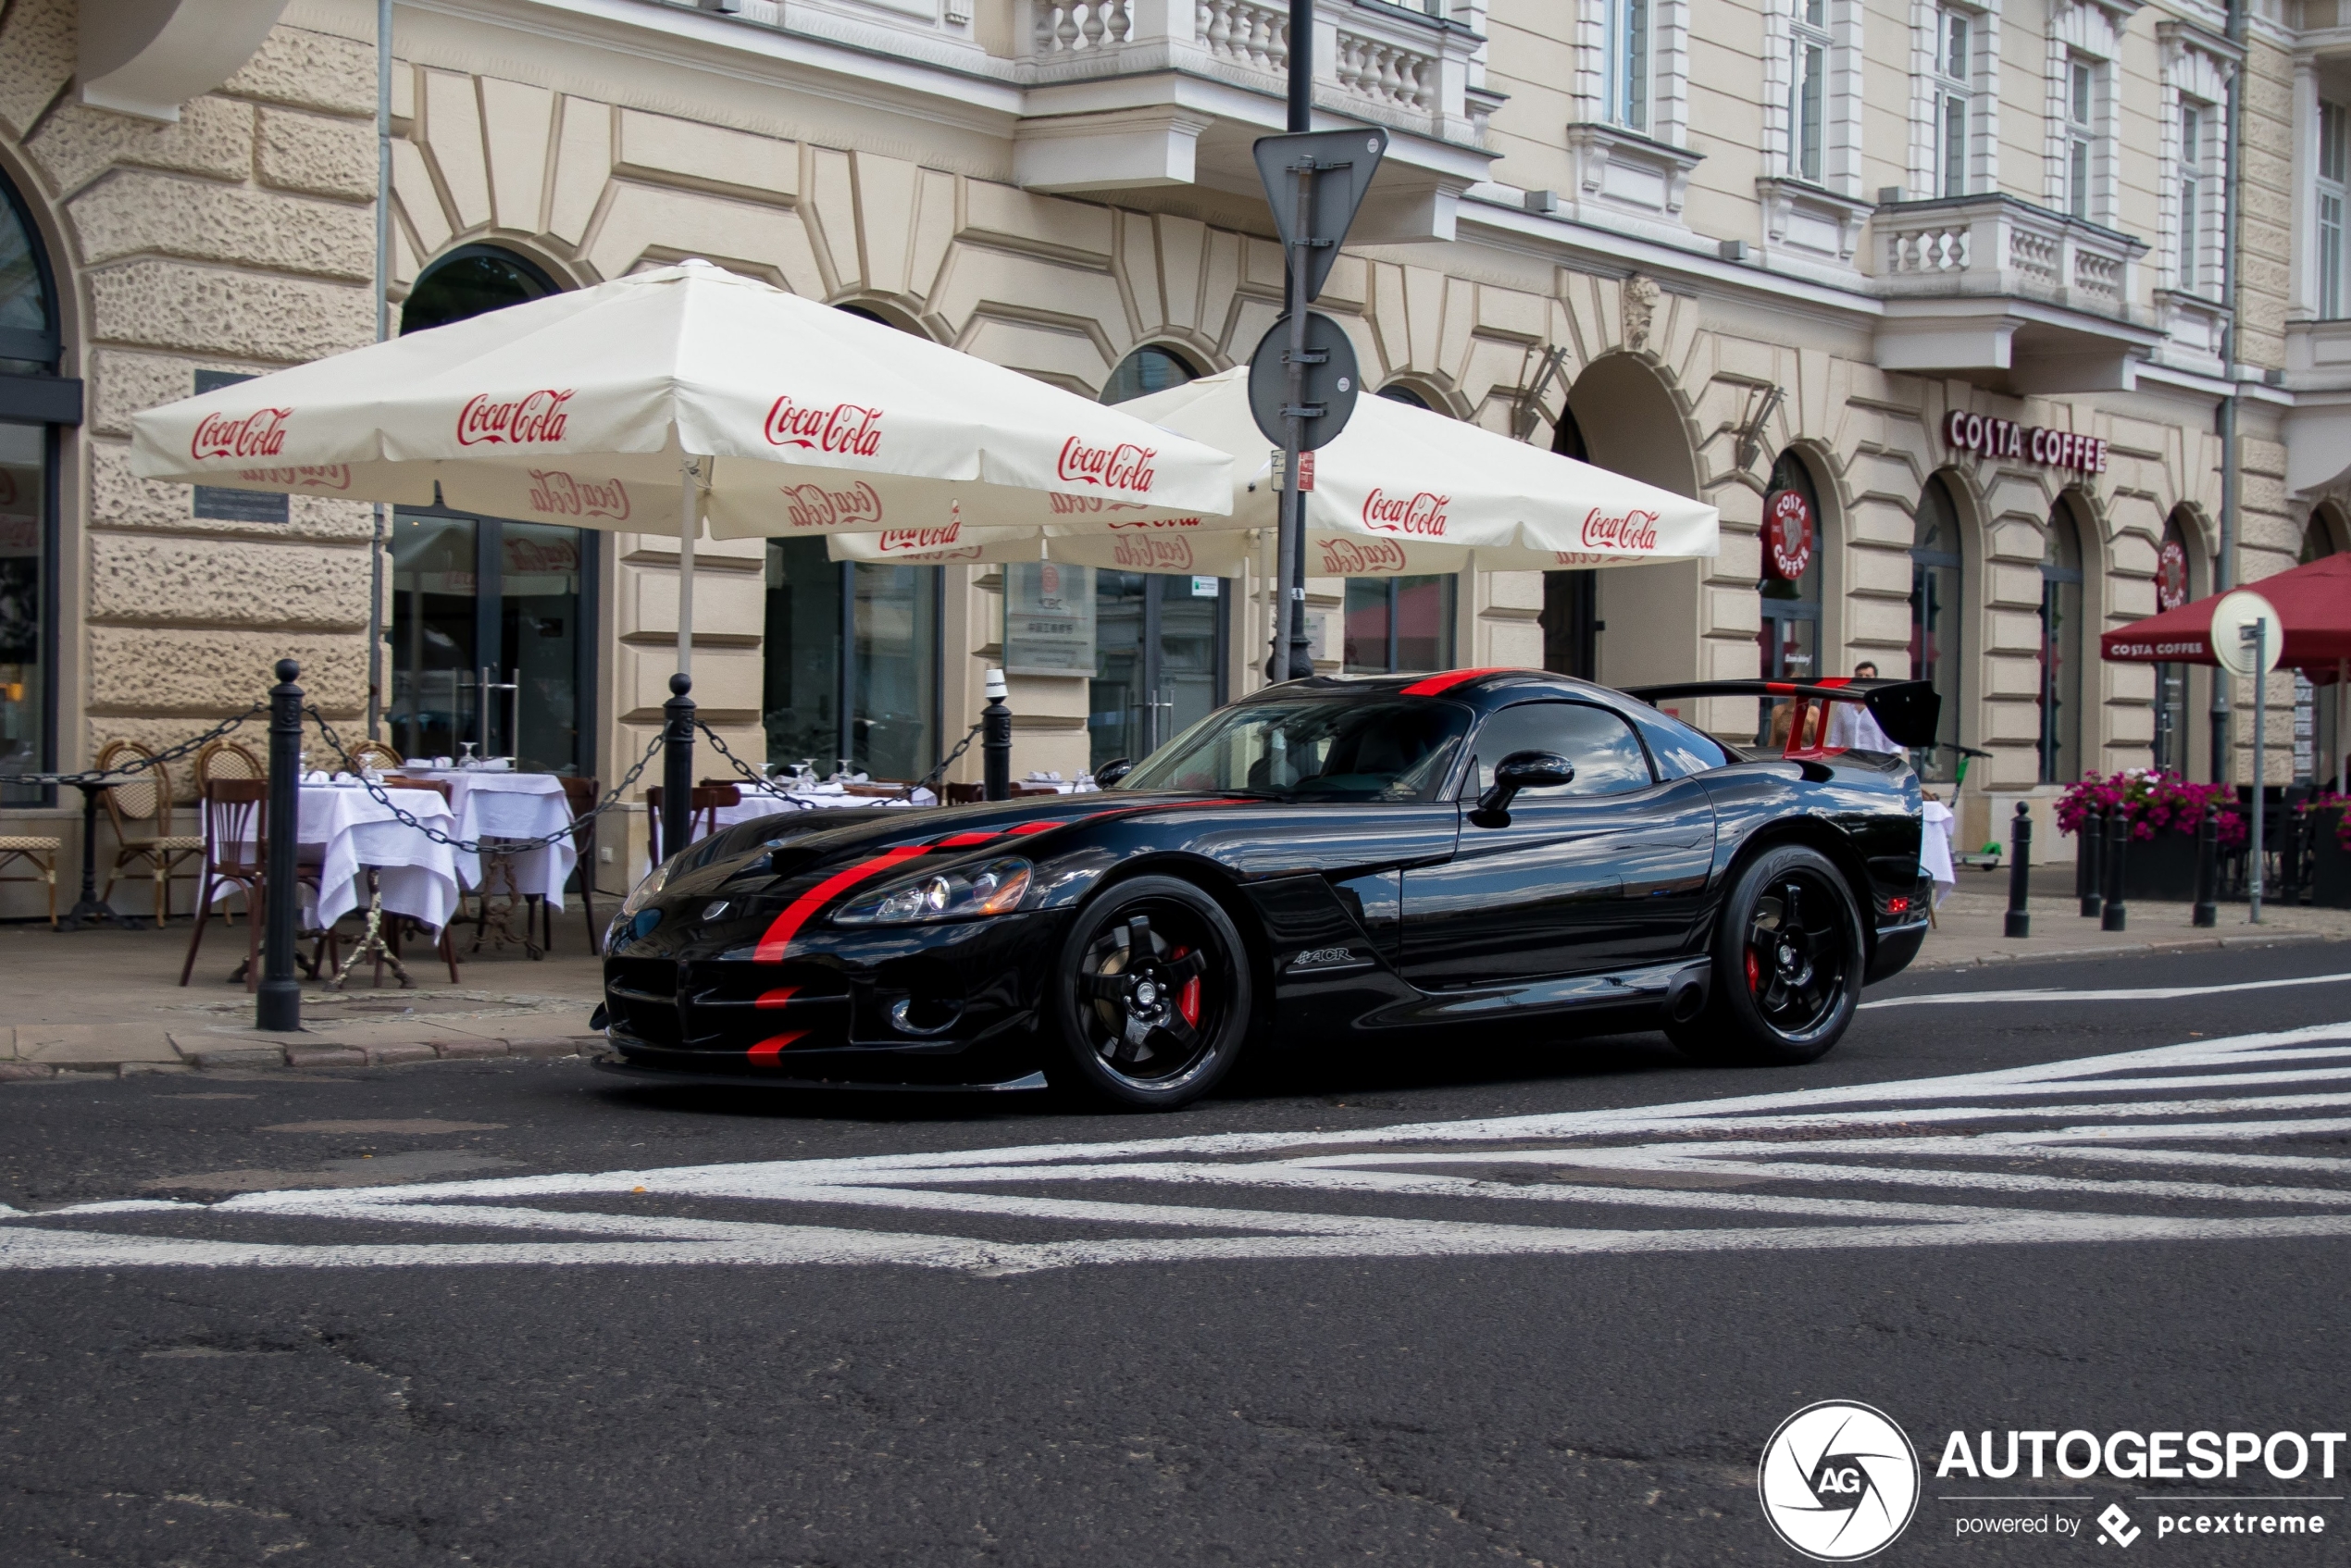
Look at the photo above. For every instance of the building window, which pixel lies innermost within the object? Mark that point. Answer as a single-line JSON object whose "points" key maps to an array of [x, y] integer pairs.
{"points": [[1628, 64], [1400, 392], [2080, 137], [1938, 618], [1571, 599], [2334, 184], [1158, 660], [2060, 692], [850, 657], [1147, 370], [472, 280], [1807, 90], [1954, 99], [2193, 118], [1400, 623], [1789, 590], [28, 349]]}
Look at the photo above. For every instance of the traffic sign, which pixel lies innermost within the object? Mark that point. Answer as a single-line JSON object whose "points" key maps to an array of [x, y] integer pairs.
{"points": [[2231, 649], [1342, 162], [1327, 392]]}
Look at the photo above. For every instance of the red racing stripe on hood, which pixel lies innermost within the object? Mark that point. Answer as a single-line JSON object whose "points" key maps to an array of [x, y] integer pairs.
{"points": [[1451, 679], [787, 926]]}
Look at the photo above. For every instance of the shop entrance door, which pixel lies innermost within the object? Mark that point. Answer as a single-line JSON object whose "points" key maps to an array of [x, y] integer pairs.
{"points": [[490, 653], [1158, 660]]}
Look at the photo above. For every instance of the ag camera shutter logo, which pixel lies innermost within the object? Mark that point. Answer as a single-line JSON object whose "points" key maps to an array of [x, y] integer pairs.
{"points": [[1839, 1481]]}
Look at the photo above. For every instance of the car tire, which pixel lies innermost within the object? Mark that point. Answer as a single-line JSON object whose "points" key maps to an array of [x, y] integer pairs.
{"points": [[1154, 1034], [1783, 991]]}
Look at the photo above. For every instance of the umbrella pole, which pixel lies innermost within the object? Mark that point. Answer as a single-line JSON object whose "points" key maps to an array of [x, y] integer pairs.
{"points": [[678, 714]]}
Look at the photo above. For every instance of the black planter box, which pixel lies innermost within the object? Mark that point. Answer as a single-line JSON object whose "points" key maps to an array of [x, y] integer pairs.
{"points": [[2330, 861], [2160, 870]]}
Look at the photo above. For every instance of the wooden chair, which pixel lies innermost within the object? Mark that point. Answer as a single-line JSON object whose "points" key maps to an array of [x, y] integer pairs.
{"points": [[966, 794], [139, 806], [580, 795], [39, 853], [235, 814], [377, 754], [703, 813]]}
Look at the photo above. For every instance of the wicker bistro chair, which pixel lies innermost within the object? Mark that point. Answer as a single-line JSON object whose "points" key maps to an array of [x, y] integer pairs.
{"points": [[701, 823], [139, 806], [227, 759], [375, 754], [236, 839], [39, 853]]}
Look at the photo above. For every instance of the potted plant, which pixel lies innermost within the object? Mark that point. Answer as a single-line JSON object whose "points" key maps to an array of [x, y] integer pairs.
{"points": [[2326, 828], [2164, 810]]}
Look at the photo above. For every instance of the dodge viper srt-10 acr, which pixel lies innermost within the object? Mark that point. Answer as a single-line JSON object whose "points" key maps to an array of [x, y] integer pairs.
{"points": [[1337, 859]]}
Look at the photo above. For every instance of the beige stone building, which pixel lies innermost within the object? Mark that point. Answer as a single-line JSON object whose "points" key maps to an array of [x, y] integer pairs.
{"points": [[1948, 274]]}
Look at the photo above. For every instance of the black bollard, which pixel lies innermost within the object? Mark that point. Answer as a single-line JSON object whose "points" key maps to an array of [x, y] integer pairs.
{"points": [[2088, 856], [677, 766], [2289, 857], [2207, 870], [278, 1001], [996, 741], [2019, 872], [2118, 843]]}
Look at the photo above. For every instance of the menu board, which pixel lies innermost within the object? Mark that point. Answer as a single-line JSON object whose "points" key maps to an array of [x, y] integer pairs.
{"points": [[1049, 618]]}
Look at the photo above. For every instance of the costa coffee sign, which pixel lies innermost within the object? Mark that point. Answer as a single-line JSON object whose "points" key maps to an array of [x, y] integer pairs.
{"points": [[1125, 467], [1620, 533], [845, 428], [2005, 437], [814, 506], [261, 433], [1787, 534], [2171, 576], [324, 476], [1362, 558], [533, 420], [1421, 513], [555, 493]]}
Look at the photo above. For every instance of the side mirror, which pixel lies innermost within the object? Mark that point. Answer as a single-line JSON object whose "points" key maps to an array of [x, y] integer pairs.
{"points": [[1521, 770], [1113, 771]]}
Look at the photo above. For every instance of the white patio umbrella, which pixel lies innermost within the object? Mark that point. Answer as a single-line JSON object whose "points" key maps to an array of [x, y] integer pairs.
{"points": [[1402, 489]]}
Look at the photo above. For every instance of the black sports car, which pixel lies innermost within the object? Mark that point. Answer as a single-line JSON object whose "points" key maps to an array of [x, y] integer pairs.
{"points": [[1333, 859]]}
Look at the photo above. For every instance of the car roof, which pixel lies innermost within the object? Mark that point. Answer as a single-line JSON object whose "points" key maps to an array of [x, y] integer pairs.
{"points": [[1484, 690]]}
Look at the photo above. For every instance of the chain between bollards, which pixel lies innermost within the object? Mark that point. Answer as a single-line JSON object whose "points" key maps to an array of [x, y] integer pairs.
{"points": [[2020, 922], [278, 1000]]}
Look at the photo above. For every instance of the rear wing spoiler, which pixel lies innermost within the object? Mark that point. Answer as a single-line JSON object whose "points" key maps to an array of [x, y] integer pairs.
{"points": [[1907, 710]]}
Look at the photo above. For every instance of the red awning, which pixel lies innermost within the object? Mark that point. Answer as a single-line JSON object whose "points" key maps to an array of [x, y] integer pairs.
{"points": [[2313, 602]]}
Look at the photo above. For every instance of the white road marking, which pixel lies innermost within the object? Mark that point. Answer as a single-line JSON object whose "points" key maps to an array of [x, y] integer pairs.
{"points": [[1855, 1167], [2141, 993]]}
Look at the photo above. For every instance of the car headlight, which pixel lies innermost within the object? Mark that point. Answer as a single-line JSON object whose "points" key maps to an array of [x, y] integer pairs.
{"points": [[640, 895], [996, 888]]}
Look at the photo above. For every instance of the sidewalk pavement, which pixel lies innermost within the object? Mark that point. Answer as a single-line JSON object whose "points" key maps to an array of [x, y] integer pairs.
{"points": [[108, 1001]]}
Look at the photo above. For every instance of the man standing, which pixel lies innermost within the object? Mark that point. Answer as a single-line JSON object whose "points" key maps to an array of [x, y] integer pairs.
{"points": [[1853, 728]]}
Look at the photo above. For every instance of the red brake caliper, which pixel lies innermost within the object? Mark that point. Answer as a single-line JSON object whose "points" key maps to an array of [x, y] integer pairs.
{"points": [[1754, 972], [1188, 999]]}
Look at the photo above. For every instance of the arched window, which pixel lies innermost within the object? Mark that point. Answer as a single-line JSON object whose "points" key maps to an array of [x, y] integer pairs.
{"points": [[29, 405], [1571, 600], [2174, 586], [1403, 394], [1937, 614], [2060, 695], [1790, 586], [2320, 538], [472, 280], [1149, 369]]}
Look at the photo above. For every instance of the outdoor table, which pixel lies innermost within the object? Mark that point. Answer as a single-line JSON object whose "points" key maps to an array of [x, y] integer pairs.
{"points": [[417, 876], [511, 805], [1935, 848], [757, 803]]}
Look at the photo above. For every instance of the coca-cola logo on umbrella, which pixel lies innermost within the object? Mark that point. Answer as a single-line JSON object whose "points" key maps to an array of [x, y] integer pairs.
{"points": [[323, 476], [2171, 576], [845, 428], [1125, 467], [1153, 554], [896, 539], [556, 493], [1362, 558], [1422, 514], [814, 506], [535, 418], [1620, 533], [1154, 522], [1787, 534], [261, 433]]}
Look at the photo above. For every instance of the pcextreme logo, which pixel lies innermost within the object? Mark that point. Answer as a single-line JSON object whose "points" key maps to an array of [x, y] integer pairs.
{"points": [[1839, 1481]]}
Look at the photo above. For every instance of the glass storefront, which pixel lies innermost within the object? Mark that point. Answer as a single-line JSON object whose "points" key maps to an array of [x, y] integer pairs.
{"points": [[1938, 618], [1157, 661], [2060, 693], [28, 349], [1400, 623], [1789, 640], [486, 652], [1571, 600], [888, 685], [2173, 588]]}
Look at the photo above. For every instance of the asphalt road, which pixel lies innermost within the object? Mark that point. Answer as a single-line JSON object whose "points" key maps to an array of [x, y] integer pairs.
{"points": [[1488, 1301]]}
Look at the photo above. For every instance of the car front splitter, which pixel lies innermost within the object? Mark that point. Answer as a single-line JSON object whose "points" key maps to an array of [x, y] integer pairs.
{"points": [[677, 1077]]}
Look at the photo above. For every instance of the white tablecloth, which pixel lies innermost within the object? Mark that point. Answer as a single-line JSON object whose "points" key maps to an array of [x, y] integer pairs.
{"points": [[756, 804], [512, 805], [418, 877], [1934, 848]]}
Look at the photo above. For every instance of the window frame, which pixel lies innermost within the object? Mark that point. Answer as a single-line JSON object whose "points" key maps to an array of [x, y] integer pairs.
{"points": [[51, 396], [2082, 91], [1472, 783], [1811, 62], [1952, 89], [1629, 53], [2332, 197]]}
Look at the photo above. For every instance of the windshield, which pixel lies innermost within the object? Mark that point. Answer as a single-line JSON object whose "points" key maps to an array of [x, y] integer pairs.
{"points": [[1314, 748]]}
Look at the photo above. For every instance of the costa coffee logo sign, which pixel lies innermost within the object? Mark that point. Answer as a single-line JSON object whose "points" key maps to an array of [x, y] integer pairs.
{"points": [[533, 420], [1153, 555], [2005, 437], [894, 540], [2171, 576], [845, 428], [1125, 467], [324, 476], [1621, 533], [1787, 534], [261, 433], [1422, 514], [557, 494], [1362, 558], [814, 506]]}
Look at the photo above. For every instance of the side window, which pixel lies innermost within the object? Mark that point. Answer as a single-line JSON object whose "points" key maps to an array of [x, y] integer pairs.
{"points": [[1607, 755]]}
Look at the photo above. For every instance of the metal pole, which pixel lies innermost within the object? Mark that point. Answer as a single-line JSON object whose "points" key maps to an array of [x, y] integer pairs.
{"points": [[2020, 922], [2259, 633], [996, 741], [2118, 847], [2231, 479], [278, 1002], [383, 329], [1290, 651]]}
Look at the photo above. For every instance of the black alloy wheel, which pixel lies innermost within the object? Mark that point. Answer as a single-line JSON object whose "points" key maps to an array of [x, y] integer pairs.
{"points": [[1152, 999], [1788, 966]]}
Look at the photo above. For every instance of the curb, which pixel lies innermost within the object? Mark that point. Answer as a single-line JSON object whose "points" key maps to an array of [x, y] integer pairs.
{"points": [[2185, 944], [543, 1048]]}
